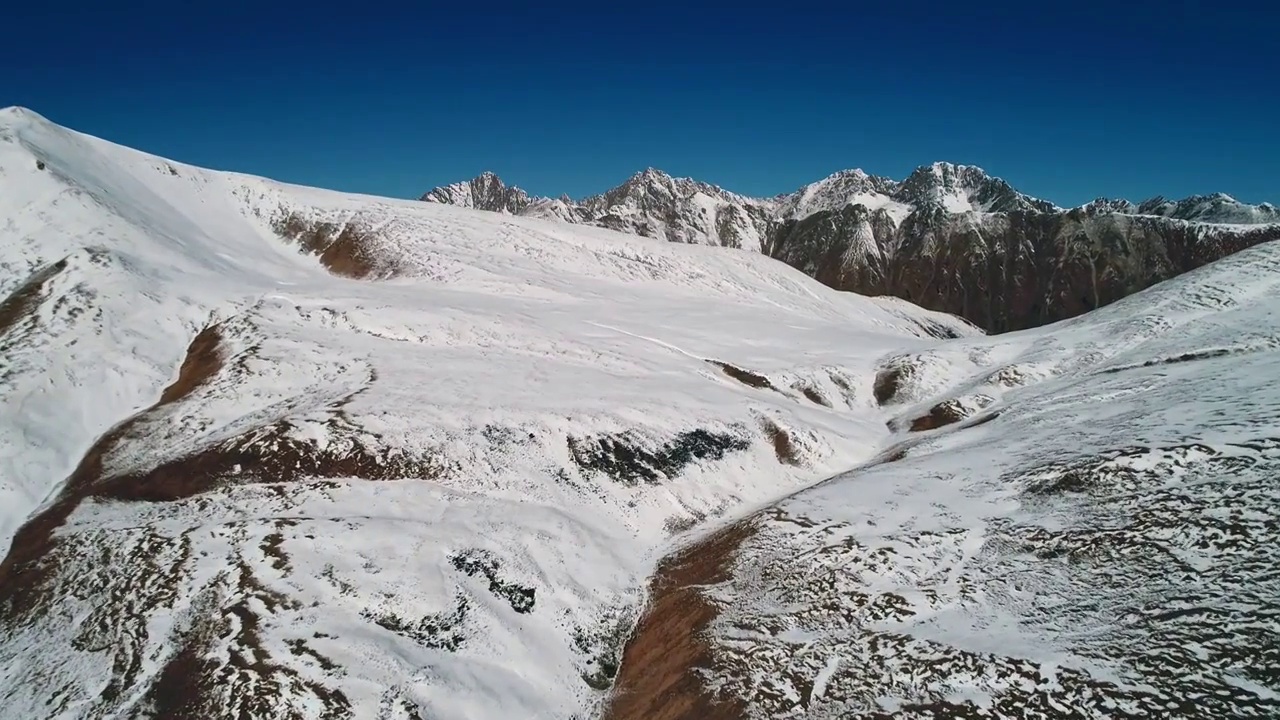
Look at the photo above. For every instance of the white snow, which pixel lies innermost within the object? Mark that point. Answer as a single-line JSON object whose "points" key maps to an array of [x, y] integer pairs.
{"points": [[495, 344], [482, 367]]}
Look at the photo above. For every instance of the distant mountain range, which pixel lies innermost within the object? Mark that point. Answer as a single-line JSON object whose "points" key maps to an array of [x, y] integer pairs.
{"points": [[948, 237]]}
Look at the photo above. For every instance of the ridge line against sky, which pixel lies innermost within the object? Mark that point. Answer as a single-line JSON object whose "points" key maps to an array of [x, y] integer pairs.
{"points": [[1066, 103]]}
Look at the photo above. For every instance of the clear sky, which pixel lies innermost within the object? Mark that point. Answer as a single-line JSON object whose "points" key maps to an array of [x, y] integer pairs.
{"points": [[1066, 100]]}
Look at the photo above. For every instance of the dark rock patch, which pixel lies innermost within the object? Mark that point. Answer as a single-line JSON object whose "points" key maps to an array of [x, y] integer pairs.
{"points": [[625, 459], [482, 563], [940, 415], [889, 380], [784, 447], [21, 302], [1185, 357], [746, 377], [937, 330], [811, 394], [440, 631], [601, 646]]}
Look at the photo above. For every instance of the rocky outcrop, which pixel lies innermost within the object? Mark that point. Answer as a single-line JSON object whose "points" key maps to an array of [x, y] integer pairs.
{"points": [[1004, 271], [485, 192], [948, 237]]}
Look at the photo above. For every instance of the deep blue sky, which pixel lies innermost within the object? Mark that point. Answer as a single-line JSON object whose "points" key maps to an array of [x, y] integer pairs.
{"points": [[1066, 100]]}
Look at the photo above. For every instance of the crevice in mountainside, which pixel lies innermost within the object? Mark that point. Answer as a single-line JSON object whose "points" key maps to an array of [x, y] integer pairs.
{"points": [[1207, 354], [202, 362], [658, 678], [668, 654]]}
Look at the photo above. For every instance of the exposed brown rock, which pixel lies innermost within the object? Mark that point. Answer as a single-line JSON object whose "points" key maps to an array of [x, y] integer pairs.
{"points": [[22, 301], [344, 248], [944, 413], [657, 679], [783, 446], [812, 394], [202, 362], [889, 381], [746, 377]]}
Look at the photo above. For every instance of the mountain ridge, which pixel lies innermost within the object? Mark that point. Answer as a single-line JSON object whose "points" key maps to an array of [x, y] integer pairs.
{"points": [[1157, 205], [943, 238]]}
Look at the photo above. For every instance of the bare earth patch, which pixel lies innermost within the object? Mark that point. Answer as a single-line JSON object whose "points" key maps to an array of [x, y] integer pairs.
{"points": [[746, 377], [944, 413], [658, 678], [344, 248], [23, 300]]}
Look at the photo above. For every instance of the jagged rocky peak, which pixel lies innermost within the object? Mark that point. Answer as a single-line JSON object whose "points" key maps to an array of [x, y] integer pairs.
{"points": [[484, 192], [654, 204], [1109, 205], [964, 188], [646, 181], [1214, 208], [652, 181], [847, 187], [859, 180]]}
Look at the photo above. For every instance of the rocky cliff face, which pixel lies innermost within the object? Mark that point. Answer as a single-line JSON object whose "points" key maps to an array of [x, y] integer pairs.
{"points": [[486, 192], [948, 237]]}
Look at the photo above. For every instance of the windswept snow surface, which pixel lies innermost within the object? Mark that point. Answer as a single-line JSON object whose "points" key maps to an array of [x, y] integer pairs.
{"points": [[1097, 539], [433, 491]]}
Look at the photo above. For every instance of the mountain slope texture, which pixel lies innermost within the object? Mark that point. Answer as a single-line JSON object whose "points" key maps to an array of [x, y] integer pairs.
{"points": [[276, 452], [949, 237]]}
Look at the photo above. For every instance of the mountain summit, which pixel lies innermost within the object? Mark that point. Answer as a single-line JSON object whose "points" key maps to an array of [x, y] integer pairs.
{"points": [[484, 192], [948, 237]]}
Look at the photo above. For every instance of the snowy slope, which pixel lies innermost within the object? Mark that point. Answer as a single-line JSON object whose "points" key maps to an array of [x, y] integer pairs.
{"points": [[279, 452], [1075, 521]]}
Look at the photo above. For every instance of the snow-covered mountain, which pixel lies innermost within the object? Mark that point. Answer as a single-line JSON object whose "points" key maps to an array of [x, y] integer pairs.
{"points": [[650, 203], [277, 452], [948, 237]]}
